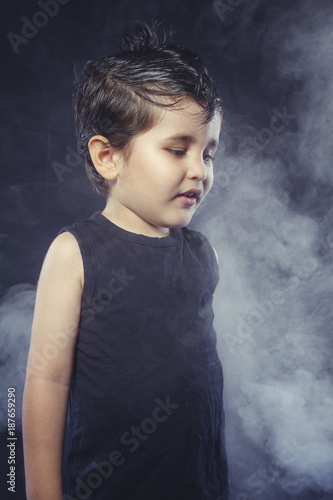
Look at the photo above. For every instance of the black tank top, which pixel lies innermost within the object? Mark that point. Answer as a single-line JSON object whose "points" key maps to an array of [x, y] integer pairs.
{"points": [[146, 418]]}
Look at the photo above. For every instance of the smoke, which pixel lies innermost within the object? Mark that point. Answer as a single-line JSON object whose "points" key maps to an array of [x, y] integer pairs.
{"points": [[270, 221], [269, 216], [16, 311]]}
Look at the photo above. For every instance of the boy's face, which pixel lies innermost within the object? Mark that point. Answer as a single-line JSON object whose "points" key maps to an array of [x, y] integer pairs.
{"points": [[167, 174]]}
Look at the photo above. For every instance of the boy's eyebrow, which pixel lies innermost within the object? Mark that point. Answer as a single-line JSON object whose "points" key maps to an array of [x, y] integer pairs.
{"points": [[189, 139]]}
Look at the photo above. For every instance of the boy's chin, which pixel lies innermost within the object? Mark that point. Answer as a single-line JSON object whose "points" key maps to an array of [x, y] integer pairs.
{"points": [[182, 222]]}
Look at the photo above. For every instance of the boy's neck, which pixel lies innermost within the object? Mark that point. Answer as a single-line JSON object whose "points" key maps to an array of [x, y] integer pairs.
{"points": [[130, 222]]}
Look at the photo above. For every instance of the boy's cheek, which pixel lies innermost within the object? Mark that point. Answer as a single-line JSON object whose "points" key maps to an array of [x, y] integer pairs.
{"points": [[208, 184]]}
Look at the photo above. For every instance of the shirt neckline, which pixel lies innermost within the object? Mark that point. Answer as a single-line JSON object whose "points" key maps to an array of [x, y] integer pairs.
{"points": [[172, 239]]}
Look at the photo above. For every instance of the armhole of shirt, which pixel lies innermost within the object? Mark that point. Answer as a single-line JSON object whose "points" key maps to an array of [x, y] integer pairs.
{"points": [[89, 265], [209, 250], [213, 256]]}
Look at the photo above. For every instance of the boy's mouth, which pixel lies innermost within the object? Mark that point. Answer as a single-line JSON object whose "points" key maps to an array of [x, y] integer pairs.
{"points": [[190, 197]]}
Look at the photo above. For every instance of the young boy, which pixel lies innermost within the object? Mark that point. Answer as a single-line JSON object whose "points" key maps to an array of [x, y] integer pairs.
{"points": [[122, 331]]}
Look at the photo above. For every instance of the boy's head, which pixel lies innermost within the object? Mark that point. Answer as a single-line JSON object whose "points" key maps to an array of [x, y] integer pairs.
{"points": [[118, 96]]}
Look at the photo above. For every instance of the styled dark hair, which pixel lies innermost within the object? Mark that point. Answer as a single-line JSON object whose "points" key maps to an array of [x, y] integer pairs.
{"points": [[117, 95]]}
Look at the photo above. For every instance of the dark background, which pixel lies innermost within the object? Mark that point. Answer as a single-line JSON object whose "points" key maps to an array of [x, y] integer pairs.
{"points": [[269, 214]]}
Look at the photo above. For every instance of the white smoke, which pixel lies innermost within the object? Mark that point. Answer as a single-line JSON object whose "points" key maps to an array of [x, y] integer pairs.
{"points": [[270, 219], [271, 224], [16, 312]]}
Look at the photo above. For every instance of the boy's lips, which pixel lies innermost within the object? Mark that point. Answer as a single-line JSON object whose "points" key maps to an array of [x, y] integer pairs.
{"points": [[190, 197]]}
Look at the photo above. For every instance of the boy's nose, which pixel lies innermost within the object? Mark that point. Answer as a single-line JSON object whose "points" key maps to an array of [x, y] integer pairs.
{"points": [[197, 170]]}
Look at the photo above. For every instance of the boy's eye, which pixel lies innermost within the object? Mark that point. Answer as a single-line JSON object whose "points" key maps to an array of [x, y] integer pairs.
{"points": [[177, 152], [208, 158], [182, 152]]}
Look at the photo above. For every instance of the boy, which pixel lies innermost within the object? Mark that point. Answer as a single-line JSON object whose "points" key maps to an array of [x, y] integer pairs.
{"points": [[124, 300]]}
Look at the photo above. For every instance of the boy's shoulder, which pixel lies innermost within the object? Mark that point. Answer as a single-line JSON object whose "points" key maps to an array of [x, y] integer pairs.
{"points": [[199, 241], [204, 252], [76, 224], [195, 236], [80, 228]]}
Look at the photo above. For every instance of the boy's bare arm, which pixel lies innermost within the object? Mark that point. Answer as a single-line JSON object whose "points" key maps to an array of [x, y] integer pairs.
{"points": [[45, 399]]}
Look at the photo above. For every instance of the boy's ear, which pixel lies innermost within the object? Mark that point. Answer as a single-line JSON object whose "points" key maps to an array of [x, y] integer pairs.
{"points": [[104, 157]]}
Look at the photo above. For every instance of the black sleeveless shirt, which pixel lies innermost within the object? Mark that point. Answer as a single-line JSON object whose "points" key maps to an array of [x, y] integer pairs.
{"points": [[146, 418]]}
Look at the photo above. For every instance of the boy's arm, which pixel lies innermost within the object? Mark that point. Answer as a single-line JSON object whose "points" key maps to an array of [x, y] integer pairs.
{"points": [[49, 369]]}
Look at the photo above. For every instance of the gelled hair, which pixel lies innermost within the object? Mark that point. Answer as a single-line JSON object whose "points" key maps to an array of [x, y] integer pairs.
{"points": [[117, 95]]}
